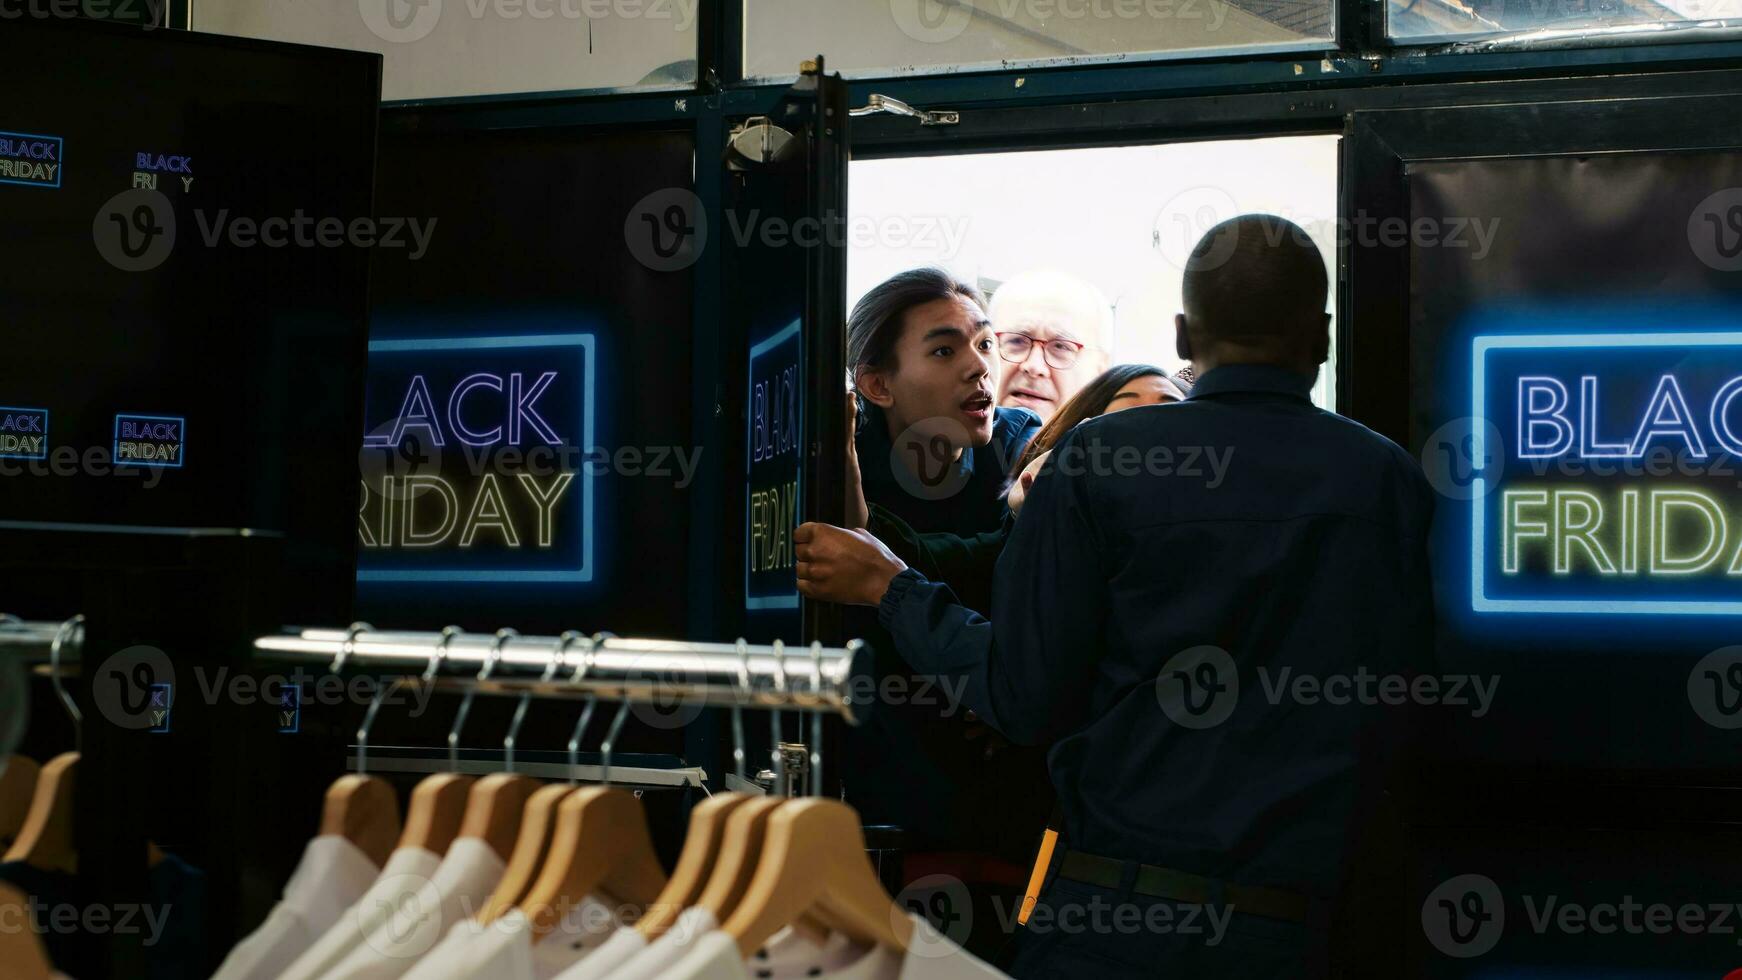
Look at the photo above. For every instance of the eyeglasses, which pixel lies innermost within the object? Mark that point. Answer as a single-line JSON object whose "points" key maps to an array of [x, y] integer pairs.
{"points": [[1059, 353]]}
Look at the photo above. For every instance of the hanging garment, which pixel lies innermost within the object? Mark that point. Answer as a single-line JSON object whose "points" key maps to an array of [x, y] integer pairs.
{"points": [[786, 952], [407, 870], [611, 954], [332, 874], [457, 890], [930, 956], [507, 950]]}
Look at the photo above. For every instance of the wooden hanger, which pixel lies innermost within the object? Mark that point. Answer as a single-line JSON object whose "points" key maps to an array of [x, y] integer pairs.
{"points": [[21, 954], [813, 859], [436, 810], [46, 839], [536, 824], [740, 847], [600, 844], [493, 810], [701, 851], [365, 811], [17, 787]]}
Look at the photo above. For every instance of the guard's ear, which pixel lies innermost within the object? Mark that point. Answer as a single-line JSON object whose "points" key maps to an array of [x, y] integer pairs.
{"points": [[873, 386], [1182, 344]]}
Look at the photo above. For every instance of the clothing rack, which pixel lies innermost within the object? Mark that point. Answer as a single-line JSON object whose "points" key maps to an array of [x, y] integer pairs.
{"points": [[33, 642], [812, 679], [658, 772]]}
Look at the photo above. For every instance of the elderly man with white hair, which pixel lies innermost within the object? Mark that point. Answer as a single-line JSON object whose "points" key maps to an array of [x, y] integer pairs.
{"points": [[1054, 331]]}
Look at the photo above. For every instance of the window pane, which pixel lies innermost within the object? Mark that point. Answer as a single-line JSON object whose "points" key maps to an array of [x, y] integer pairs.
{"points": [[1115, 224], [1419, 21], [899, 37], [436, 48]]}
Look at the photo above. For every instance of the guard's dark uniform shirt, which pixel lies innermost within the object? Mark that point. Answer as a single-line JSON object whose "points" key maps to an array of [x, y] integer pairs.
{"points": [[911, 763], [1243, 518]]}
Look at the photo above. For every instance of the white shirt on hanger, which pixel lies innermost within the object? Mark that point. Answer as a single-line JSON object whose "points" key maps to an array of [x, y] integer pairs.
{"points": [[628, 954], [331, 875], [930, 956], [407, 870], [458, 889], [506, 950], [691, 925], [611, 954]]}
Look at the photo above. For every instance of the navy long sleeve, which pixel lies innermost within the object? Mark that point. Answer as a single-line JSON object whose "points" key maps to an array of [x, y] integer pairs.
{"points": [[1243, 526]]}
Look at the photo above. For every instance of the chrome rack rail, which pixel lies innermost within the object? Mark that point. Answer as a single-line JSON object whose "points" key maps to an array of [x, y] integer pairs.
{"points": [[537, 764], [35, 642], [610, 668], [602, 667]]}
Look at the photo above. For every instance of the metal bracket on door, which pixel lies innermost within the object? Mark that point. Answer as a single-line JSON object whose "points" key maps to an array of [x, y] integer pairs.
{"points": [[894, 106], [757, 141]]}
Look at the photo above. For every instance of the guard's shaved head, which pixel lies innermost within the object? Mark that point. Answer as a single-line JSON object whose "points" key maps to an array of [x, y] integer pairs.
{"points": [[1254, 290]]}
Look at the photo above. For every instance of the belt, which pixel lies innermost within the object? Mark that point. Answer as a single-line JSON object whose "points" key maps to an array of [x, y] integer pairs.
{"points": [[1180, 886]]}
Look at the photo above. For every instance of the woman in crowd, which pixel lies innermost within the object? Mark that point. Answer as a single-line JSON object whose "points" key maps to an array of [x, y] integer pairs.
{"points": [[966, 562]]}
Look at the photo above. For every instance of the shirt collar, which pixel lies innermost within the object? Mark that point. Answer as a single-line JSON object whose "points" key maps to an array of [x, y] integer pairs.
{"points": [[1253, 378]]}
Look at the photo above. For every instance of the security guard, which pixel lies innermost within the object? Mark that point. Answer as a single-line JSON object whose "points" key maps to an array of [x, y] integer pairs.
{"points": [[1174, 631]]}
